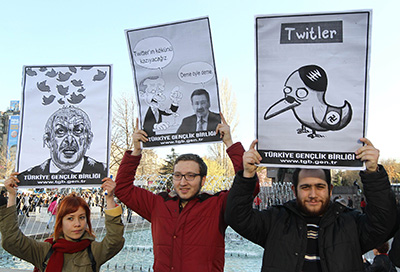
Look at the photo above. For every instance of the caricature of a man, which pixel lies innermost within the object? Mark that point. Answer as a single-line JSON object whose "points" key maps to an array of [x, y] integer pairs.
{"points": [[68, 136], [151, 89]]}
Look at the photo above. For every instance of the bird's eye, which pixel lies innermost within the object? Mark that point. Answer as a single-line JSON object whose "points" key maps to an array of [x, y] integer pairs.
{"points": [[287, 90], [301, 93]]}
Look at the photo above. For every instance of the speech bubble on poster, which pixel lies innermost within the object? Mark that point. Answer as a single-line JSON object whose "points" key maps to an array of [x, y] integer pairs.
{"points": [[153, 53], [196, 72]]}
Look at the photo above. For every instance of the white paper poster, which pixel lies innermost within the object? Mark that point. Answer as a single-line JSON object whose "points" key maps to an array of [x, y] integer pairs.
{"points": [[312, 86], [65, 126], [176, 82]]}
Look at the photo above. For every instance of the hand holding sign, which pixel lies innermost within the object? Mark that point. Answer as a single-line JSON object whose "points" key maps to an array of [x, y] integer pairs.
{"points": [[369, 154], [225, 131], [137, 137], [250, 160]]}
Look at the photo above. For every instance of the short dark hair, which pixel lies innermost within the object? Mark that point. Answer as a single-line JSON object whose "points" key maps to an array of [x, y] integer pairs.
{"points": [[200, 92], [384, 248], [295, 179], [195, 158]]}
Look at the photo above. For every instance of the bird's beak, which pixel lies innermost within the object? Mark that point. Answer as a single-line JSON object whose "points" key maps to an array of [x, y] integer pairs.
{"points": [[282, 105]]}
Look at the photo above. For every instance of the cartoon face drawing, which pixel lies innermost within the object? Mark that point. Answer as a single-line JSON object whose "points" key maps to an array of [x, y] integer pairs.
{"points": [[153, 92], [68, 135], [304, 94]]}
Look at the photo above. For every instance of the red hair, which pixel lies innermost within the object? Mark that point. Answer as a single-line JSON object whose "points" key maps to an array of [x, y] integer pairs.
{"points": [[71, 204]]}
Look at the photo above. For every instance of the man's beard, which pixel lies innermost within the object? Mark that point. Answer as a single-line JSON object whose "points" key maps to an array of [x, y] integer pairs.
{"points": [[315, 213]]}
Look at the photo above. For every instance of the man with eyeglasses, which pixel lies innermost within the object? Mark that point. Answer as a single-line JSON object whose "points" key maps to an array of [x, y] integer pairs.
{"points": [[188, 227]]}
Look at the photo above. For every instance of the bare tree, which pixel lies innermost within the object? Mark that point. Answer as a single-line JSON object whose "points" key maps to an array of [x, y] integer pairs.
{"points": [[123, 126], [228, 108], [393, 169], [346, 177]]}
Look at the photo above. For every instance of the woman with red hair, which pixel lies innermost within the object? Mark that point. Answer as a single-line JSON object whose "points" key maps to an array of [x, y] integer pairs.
{"points": [[72, 247]]}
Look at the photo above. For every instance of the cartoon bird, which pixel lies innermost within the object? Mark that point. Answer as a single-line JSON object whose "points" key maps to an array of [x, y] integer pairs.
{"points": [[81, 90], [30, 72], [100, 75], [304, 91], [86, 67], [42, 86], [76, 99], [51, 73], [72, 69], [48, 100], [76, 83], [63, 76], [42, 69], [61, 101], [62, 90]]}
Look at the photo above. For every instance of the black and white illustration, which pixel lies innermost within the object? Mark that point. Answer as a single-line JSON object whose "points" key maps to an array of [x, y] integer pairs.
{"points": [[312, 88], [65, 126], [304, 93], [176, 82]]}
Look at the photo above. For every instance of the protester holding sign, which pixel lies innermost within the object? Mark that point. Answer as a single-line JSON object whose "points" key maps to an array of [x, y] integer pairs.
{"points": [[72, 246], [188, 226], [311, 233]]}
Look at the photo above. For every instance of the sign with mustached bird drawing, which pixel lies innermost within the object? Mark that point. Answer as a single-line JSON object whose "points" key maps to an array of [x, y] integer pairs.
{"points": [[312, 87]]}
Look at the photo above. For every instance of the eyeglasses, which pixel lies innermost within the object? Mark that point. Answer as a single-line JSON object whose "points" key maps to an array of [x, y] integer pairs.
{"points": [[188, 176]]}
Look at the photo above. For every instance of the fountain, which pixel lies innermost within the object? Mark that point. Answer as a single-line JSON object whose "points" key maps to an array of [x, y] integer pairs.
{"points": [[137, 254]]}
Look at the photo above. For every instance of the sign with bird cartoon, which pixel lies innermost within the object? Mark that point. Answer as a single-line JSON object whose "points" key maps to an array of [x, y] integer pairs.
{"points": [[176, 82], [65, 126], [312, 86]]}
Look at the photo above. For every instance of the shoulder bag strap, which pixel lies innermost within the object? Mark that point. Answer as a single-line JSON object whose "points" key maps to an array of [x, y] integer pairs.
{"points": [[91, 257]]}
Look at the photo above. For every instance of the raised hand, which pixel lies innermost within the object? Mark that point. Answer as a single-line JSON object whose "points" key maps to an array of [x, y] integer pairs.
{"points": [[176, 96], [250, 160], [225, 131], [369, 154], [138, 137], [11, 185], [109, 186]]}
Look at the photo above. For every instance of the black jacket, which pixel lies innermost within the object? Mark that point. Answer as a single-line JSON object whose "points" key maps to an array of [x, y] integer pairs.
{"points": [[381, 263], [394, 253], [344, 234]]}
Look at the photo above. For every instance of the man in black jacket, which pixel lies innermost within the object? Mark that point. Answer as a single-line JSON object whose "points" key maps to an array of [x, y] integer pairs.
{"points": [[394, 253], [381, 261], [311, 233]]}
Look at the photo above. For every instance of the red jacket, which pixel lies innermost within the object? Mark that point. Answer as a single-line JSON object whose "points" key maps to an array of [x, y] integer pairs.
{"points": [[53, 207], [192, 240]]}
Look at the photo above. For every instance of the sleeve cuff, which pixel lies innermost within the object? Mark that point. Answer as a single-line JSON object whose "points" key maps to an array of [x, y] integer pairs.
{"points": [[235, 146], [114, 211]]}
